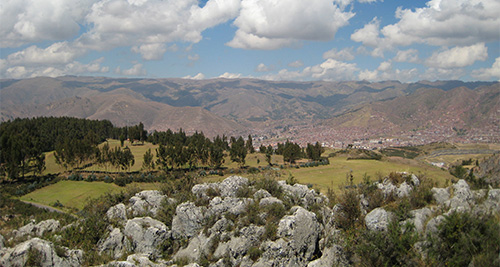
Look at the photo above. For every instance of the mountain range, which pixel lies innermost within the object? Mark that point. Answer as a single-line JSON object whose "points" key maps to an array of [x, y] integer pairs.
{"points": [[242, 106]]}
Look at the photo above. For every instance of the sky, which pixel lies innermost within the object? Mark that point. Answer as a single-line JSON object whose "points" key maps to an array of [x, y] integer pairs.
{"points": [[295, 40]]}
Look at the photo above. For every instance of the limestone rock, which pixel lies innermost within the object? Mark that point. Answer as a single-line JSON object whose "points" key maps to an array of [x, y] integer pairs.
{"points": [[267, 201], [386, 187], [188, 220], [136, 260], [146, 235], [38, 229], [404, 190], [332, 256], [197, 246], [238, 246], [261, 193], [229, 187], [115, 245], [414, 180], [146, 202], [419, 218], [42, 252], [432, 225], [232, 205], [2, 242], [201, 190], [378, 219], [441, 195], [462, 197], [117, 213]]}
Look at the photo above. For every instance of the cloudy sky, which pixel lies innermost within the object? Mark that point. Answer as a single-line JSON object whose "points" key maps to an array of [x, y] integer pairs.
{"points": [[270, 39]]}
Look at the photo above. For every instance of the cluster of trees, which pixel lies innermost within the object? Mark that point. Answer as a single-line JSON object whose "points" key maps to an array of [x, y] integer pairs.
{"points": [[75, 143], [292, 151], [25, 141]]}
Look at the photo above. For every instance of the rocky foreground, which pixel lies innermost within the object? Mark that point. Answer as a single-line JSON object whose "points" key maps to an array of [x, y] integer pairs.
{"points": [[232, 223]]}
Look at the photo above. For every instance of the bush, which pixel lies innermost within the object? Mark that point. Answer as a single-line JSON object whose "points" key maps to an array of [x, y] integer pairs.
{"points": [[463, 239], [254, 253], [270, 185], [351, 212]]}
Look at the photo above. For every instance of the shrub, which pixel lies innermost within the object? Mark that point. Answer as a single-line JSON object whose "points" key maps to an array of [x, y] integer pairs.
{"points": [[254, 253], [270, 185], [351, 212], [463, 239]]}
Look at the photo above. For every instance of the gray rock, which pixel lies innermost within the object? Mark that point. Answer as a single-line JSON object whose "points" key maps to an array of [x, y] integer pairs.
{"points": [[188, 220], [146, 202], [200, 190], [237, 247], [492, 202], [414, 180], [117, 213], [2, 242], [301, 229], [441, 195], [462, 198], [378, 219], [136, 260], [232, 205], [44, 252], [230, 185], [386, 187], [261, 193], [197, 246], [115, 245], [404, 190], [32, 229], [332, 256], [432, 225], [267, 201], [419, 218], [146, 235], [222, 226]]}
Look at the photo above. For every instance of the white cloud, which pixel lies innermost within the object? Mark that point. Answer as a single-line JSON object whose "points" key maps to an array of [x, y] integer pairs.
{"points": [[194, 57], [120, 23], [369, 34], [458, 57], [57, 53], [344, 54], [136, 70], [296, 64], [199, 76], [152, 51], [27, 21], [264, 24], [263, 68], [228, 75], [410, 55], [488, 73], [34, 70], [432, 74], [369, 75], [385, 66], [329, 70], [385, 72]]}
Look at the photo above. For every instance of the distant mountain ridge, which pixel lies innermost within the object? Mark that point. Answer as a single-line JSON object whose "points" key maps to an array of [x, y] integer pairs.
{"points": [[241, 106]]}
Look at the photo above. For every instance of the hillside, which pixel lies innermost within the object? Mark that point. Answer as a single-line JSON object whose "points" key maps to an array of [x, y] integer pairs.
{"points": [[242, 106]]}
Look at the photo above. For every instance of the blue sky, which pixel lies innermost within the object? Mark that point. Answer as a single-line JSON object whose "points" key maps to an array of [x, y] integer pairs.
{"points": [[268, 39]]}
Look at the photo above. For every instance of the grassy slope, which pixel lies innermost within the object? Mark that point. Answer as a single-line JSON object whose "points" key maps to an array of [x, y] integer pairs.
{"points": [[74, 194]]}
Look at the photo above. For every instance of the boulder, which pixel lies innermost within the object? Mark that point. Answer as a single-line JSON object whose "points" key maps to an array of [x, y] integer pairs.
{"points": [[378, 219], [146, 235], [198, 245], [432, 225], [267, 201], [117, 213], [229, 187], [234, 205], [139, 260], [146, 202], [237, 247], [301, 229], [261, 193], [419, 218], [441, 195], [404, 190], [462, 197], [332, 256], [414, 180], [386, 187], [188, 220], [40, 252], [2, 242], [201, 190], [32, 229], [115, 245]]}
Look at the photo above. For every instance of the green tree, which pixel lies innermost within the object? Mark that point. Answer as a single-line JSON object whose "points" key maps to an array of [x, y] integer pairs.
{"points": [[148, 163], [249, 145], [238, 151]]}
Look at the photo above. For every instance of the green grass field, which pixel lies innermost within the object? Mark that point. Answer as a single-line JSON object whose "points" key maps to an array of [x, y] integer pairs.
{"points": [[74, 194]]}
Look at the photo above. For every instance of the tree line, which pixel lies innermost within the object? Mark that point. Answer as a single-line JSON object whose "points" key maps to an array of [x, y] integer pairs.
{"points": [[75, 143]]}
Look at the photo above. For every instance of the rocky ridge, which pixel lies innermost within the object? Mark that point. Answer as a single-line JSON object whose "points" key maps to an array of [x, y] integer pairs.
{"points": [[234, 223]]}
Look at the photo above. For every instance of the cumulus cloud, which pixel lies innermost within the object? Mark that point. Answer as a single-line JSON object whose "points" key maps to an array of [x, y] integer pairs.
{"points": [[263, 68], [329, 70], [136, 70], [264, 24], [152, 51], [71, 68], [199, 76], [385, 72], [440, 23], [194, 57], [410, 55], [488, 73], [228, 75], [27, 21], [57, 53], [296, 64], [458, 57], [344, 54]]}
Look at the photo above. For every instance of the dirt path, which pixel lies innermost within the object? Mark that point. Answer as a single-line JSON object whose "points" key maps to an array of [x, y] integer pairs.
{"points": [[41, 206]]}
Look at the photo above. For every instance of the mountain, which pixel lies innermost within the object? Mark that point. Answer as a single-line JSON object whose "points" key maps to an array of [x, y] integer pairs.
{"points": [[243, 106]]}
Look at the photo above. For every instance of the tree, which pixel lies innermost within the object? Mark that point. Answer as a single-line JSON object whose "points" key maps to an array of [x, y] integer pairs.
{"points": [[216, 156], [238, 151], [249, 145], [314, 151], [148, 163], [291, 152], [122, 139]]}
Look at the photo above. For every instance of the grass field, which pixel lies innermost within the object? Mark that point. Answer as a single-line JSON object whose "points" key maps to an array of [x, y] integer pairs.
{"points": [[74, 194]]}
